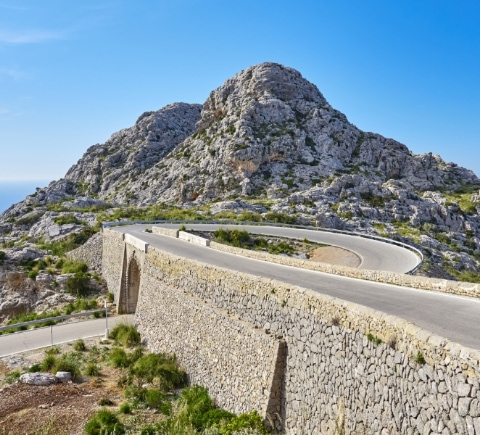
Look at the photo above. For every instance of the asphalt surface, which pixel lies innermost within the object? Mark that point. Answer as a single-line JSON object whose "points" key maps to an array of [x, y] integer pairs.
{"points": [[60, 333], [374, 255], [453, 317]]}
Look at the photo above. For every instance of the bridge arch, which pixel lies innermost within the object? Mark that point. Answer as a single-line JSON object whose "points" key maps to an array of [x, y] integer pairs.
{"points": [[132, 287]]}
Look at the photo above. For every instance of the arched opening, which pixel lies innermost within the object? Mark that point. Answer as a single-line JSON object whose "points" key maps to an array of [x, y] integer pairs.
{"points": [[133, 286]]}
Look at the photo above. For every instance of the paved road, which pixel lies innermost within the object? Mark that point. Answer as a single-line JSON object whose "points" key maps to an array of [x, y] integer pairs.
{"points": [[61, 333], [452, 317], [374, 255]]}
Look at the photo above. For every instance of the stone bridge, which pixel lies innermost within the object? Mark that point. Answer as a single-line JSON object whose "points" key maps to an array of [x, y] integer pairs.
{"points": [[309, 363]]}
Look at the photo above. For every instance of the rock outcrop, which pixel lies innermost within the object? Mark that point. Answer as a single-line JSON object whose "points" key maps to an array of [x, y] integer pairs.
{"points": [[268, 135]]}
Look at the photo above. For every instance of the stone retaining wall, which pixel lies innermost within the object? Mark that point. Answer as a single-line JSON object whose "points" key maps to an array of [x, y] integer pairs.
{"points": [[340, 373], [237, 361], [89, 253], [113, 259]]}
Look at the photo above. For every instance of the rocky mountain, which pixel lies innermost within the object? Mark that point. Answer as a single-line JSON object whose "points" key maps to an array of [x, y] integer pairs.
{"points": [[268, 136]]}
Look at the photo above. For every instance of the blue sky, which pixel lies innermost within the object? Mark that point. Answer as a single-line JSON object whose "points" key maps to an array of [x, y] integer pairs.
{"points": [[73, 73]]}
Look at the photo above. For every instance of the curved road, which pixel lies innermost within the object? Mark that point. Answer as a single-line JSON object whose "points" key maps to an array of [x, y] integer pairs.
{"points": [[453, 317], [374, 255]]}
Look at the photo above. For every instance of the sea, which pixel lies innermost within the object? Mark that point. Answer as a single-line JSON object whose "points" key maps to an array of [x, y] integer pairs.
{"points": [[13, 191]]}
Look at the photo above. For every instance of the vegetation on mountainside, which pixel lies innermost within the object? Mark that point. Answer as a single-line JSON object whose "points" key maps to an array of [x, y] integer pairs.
{"points": [[68, 243]]}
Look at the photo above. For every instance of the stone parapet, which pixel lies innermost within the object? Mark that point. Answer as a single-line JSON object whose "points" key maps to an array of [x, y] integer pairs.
{"points": [[418, 282], [165, 231]]}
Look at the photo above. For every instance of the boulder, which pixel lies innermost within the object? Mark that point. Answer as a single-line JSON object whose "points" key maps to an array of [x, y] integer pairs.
{"points": [[39, 379]]}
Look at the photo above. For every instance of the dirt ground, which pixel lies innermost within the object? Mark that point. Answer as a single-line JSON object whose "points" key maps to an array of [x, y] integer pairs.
{"points": [[334, 255], [61, 409]]}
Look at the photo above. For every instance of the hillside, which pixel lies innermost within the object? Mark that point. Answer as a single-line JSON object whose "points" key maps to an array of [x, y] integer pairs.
{"points": [[267, 141]]}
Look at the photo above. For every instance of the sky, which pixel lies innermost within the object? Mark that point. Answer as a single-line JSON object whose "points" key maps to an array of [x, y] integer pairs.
{"points": [[74, 72]]}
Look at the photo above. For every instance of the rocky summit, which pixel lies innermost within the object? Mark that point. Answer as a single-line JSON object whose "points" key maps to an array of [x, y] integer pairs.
{"points": [[268, 141]]}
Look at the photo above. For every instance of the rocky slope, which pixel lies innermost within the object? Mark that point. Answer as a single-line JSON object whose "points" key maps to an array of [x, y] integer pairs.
{"points": [[269, 136]]}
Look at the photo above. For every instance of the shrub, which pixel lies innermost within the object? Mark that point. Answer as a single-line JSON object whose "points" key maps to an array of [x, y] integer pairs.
{"points": [[119, 358], [282, 218], [33, 274], [125, 334], [79, 346], [245, 421], [48, 363], [110, 297], [236, 238], [155, 398], [419, 358], [159, 369], [70, 266], [2, 257], [104, 422], [79, 284], [92, 369], [35, 368], [12, 377], [68, 218], [125, 408], [72, 241], [281, 248], [104, 401], [69, 363]]}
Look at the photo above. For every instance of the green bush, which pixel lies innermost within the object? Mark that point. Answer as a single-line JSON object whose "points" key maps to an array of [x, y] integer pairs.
{"points": [[104, 422], [33, 275], [155, 398], [238, 238], [245, 421], [35, 368], [195, 412], [70, 266], [2, 257], [68, 218], [105, 401], [125, 334], [78, 284], [281, 248], [92, 369], [66, 244], [79, 346], [119, 358], [159, 369], [69, 362], [282, 218], [48, 363], [12, 377], [125, 408]]}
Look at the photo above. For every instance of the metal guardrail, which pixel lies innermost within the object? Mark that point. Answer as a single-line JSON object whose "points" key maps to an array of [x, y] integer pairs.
{"points": [[53, 319], [234, 222]]}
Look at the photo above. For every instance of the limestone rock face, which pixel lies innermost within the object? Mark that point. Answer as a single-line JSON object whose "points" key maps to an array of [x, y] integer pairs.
{"points": [[267, 134]]}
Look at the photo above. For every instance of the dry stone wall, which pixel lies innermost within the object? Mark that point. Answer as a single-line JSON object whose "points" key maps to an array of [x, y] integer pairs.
{"points": [[347, 369], [113, 260], [237, 361], [90, 253]]}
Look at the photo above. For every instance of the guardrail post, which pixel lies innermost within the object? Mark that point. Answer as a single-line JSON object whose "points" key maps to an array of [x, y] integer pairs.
{"points": [[106, 322]]}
